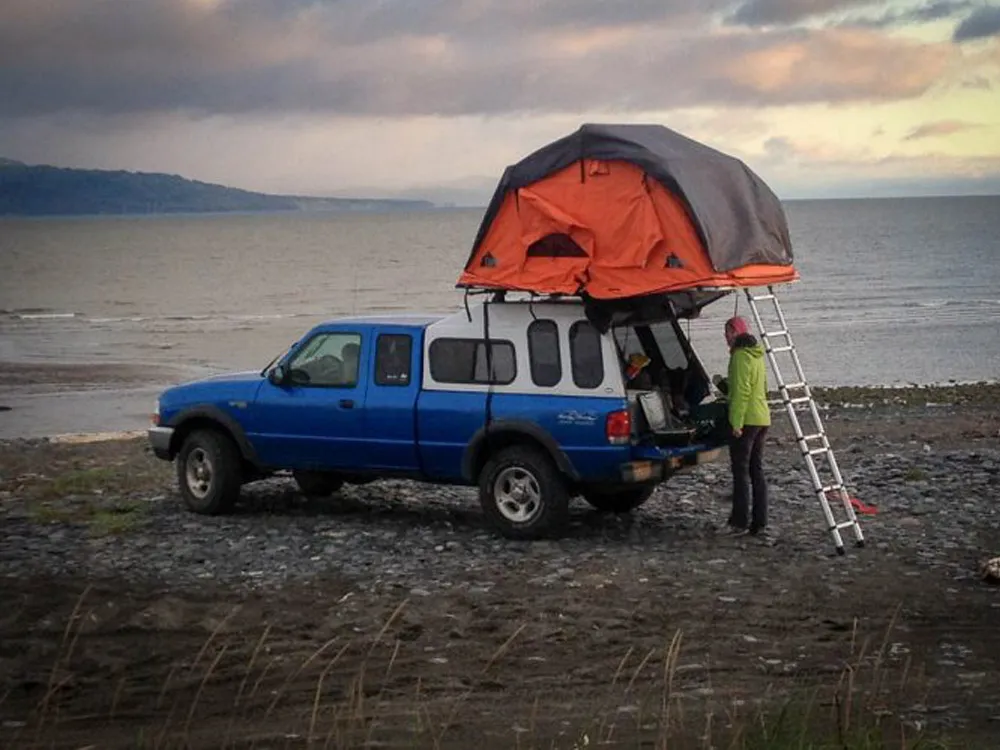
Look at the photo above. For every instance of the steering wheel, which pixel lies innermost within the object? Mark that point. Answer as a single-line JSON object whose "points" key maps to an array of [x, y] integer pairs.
{"points": [[328, 368]]}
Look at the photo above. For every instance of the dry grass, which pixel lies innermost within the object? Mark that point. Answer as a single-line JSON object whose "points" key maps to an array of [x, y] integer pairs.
{"points": [[864, 709]]}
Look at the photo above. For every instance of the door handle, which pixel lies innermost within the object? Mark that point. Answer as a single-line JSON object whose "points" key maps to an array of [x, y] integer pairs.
{"points": [[346, 403]]}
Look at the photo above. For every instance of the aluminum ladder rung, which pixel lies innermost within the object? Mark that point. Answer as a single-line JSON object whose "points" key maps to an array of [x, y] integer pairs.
{"points": [[831, 488], [780, 349], [768, 334], [793, 386], [799, 400], [762, 297], [818, 451], [817, 436]]}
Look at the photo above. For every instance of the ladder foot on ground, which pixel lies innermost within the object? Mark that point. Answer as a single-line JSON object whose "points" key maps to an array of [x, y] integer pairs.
{"points": [[821, 488]]}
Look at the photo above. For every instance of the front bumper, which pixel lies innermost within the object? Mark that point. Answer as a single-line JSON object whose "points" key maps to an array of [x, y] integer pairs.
{"points": [[659, 465], [159, 441]]}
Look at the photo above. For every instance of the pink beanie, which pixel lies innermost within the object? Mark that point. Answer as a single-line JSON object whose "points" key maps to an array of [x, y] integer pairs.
{"points": [[737, 325]]}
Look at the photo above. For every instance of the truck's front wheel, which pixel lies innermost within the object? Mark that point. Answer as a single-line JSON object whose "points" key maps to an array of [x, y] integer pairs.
{"points": [[209, 472], [618, 501], [522, 493]]}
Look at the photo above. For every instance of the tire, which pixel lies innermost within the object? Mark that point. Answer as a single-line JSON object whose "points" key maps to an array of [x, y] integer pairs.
{"points": [[523, 494], [619, 501], [317, 483], [209, 472]]}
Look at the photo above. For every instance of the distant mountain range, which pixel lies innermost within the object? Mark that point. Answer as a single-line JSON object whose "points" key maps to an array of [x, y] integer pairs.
{"points": [[42, 190]]}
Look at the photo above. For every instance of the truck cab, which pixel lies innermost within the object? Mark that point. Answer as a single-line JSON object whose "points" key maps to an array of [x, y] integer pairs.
{"points": [[530, 401]]}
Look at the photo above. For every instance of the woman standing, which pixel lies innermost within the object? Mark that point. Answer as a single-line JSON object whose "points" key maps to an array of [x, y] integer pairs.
{"points": [[749, 418]]}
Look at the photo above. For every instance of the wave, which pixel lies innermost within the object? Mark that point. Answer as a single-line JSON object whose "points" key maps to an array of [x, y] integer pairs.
{"points": [[939, 303], [46, 316]]}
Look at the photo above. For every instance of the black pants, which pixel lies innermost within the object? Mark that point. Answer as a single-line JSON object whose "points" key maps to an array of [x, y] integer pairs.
{"points": [[746, 455]]}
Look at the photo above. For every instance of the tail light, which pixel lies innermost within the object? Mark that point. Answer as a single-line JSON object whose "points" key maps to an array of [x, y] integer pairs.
{"points": [[618, 427]]}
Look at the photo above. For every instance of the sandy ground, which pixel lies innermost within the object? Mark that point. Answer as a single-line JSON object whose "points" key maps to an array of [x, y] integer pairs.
{"points": [[646, 632]]}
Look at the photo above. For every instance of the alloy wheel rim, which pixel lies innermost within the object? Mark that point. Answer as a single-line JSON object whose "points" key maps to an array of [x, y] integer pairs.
{"points": [[199, 473], [517, 494]]}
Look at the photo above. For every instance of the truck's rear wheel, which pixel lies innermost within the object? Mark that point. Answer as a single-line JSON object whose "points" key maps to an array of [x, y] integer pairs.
{"points": [[209, 472], [317, 483], [618, 501], [522, 493]]}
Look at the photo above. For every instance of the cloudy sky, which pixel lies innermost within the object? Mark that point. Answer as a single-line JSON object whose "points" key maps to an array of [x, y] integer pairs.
{"points": [[435, 97]]}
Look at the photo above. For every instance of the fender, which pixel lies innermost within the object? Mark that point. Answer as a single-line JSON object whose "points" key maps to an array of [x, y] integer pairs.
{"points": [[215, 414], [512, 426]]}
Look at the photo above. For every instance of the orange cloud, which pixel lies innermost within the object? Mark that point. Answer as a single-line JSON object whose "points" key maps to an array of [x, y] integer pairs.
{"points": [[939, 128], [836, 64]]}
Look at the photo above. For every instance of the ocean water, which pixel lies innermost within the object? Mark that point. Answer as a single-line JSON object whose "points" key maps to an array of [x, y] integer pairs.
{"points": [[892, 291]]}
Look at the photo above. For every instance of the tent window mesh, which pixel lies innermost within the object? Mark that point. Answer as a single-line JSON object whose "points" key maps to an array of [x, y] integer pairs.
{"points": [[556, 246]]}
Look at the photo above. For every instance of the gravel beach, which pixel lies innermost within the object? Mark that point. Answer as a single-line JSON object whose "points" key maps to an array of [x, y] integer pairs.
{"points": [[389, 616]]}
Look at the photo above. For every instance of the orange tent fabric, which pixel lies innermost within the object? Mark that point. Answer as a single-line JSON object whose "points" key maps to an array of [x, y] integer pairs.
{"points": [[603, 228]]}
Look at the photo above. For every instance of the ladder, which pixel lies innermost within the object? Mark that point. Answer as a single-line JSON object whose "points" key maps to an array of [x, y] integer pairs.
{"points": [[796, 395]]}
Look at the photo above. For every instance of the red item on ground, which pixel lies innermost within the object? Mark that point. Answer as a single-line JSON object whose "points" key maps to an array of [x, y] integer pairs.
{"points": [[859, 507]]}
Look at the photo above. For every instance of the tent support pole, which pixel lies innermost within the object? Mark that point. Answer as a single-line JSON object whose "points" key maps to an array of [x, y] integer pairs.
{"points": [[489, 365]]}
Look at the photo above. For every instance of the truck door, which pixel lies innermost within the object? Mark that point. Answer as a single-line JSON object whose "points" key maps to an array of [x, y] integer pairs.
{"points": [[316, 419], [390, 406]]}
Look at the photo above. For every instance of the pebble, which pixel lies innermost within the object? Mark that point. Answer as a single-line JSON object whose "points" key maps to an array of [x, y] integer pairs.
{"points": [[383, 534]]}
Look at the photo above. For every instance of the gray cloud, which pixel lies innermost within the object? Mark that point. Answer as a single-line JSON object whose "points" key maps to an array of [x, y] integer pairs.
{"points": [[983, 23], [445, 57], [932, 11], [787, 12]]}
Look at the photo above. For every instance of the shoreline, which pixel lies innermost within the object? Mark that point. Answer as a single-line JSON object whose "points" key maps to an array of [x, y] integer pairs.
{"points": [[77, 402]]}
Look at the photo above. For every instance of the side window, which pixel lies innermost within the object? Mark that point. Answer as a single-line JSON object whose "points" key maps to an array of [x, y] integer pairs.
{"points": [[586, 358], [328, 359], [670, 348], [543, 353], [465, 361], [628, 342], [392, 359]]}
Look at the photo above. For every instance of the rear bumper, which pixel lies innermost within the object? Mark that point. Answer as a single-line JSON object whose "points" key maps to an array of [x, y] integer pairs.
{"points": [[658, 465], [159, 441]]}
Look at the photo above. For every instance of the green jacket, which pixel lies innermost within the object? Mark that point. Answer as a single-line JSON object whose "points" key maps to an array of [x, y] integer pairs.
{"points": [[747, 385]]}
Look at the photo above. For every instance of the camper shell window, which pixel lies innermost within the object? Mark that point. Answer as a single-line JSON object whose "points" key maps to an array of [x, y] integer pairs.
{"points": [[586, 359], [543, 353], [464, 361]]}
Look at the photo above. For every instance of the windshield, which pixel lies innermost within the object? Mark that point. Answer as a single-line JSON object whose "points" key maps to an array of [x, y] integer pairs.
{"points": [[278, 357]]}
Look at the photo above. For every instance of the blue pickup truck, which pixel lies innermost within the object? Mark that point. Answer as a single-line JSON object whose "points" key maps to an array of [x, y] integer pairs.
{"points": [[530, 401]]}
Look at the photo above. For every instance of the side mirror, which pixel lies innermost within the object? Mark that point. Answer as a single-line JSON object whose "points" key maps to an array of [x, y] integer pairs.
{"points": [[276, 375]]}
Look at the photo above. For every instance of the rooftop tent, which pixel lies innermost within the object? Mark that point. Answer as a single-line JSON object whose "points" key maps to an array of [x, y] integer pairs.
{"points": [[615, 212]]}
